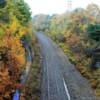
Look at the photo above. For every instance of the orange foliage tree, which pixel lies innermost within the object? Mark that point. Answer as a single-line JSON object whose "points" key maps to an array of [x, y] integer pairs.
{"points": [[12, 61]]}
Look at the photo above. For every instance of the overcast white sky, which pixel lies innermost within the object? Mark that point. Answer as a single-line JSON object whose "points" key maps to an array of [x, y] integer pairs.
{"points": [[56, 6]]}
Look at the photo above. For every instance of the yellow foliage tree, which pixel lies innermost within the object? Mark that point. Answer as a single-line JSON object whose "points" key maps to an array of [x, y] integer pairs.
{"points": [[12, 61]]}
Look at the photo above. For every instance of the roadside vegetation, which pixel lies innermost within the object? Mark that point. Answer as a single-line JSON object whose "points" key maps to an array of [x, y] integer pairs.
{"points": [[32, 87], [16, 33], [78, 34]]}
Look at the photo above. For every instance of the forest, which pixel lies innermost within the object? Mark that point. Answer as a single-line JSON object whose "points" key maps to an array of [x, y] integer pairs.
{"points": [[15, 33], [77, 32]]}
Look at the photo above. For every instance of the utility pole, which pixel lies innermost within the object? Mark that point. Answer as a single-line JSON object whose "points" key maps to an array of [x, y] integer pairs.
{"points": [[69, 5]]}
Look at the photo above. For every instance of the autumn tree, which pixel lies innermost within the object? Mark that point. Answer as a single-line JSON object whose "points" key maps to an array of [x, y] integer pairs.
{"points": [[12, 61], [15, 19], [41, 22]]}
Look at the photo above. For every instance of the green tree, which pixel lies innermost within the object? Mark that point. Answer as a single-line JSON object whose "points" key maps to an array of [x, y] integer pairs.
{"points": [[22, 12], [94, 32]]}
